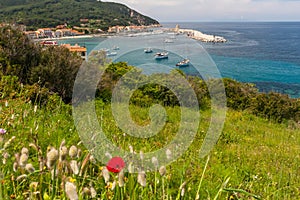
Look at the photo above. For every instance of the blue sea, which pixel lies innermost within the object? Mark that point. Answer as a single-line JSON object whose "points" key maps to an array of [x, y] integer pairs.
{"points": [[264, 53]]}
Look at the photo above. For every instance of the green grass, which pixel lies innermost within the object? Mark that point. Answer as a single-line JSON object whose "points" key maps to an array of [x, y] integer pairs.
{"points": [[254, 157]]}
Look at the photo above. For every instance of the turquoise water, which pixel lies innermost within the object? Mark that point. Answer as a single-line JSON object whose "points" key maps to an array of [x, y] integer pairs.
{"points": [[264, 53]]}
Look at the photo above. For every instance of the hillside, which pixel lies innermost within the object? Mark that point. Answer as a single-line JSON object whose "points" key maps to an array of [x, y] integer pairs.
{"points": [[50, 13]]}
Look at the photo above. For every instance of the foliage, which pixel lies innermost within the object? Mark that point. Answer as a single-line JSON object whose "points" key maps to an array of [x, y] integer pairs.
{"points": [[54, 68], [50, 13], [254, 158]]}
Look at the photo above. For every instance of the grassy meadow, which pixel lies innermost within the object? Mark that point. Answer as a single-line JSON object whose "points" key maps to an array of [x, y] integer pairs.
{"points": [[42, 157]]}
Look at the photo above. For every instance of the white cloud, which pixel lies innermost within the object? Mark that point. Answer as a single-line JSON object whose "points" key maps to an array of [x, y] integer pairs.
{"points": [[199, 10]]}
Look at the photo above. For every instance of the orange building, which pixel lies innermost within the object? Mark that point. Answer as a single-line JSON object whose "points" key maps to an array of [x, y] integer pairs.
{"points": [[81, 51]]}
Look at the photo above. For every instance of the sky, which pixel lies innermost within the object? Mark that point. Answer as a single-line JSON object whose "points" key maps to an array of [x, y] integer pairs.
{"points": [[216, 10]]}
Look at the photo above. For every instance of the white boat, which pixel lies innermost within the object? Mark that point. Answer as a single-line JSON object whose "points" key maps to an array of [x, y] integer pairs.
{"points": [[161, 55], [104, 49], [169, 41], [116, 48], [183, 63], [148, 50], [111, 53]]}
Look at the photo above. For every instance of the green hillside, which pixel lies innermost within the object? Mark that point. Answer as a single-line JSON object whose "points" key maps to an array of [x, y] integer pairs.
{"points": [[50, 13]]}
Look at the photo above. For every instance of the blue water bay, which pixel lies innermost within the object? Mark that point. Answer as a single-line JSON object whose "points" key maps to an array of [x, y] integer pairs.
{"points": [[264, 53]]}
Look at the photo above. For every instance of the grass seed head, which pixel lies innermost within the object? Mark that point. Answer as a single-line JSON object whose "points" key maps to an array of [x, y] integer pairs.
{"points": [[71, 192], [73, 152], [105, 174], [23, 160], [52, 157], [162, 170], [142, 178], [29, 167]]}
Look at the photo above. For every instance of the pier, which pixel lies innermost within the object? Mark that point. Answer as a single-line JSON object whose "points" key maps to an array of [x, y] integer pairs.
{"points": [[197, 35]]}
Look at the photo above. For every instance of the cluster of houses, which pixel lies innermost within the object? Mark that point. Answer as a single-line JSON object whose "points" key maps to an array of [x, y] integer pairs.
{"points": [[52, 33], [121, 29]]}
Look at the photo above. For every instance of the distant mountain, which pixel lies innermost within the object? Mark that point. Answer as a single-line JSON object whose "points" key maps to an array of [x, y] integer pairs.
{"points": [[50, 13]]}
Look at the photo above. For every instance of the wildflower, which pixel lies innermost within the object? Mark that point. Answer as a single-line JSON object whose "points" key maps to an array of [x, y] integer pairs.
{"points": [[70, 189], [155, 162], [6, 103], [29, 167], [73, 151], [168, 154], [142, 179], [2, 131], [162, 170], [23, 160], [52, 157], [105, 174], [116, 164], [74, 167], [121, 178]]}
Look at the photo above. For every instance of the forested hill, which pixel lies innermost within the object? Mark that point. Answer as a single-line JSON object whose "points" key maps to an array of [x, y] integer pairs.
{"points": [[50, 13]]}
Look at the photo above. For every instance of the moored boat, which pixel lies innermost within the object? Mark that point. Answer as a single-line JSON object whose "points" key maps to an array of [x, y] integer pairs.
{"points": [[111, 53], [161, 55], [183, 63], [148, 50]]}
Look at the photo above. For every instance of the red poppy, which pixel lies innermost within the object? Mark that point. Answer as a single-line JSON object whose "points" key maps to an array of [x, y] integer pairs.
{"points": [[116, 164]]}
